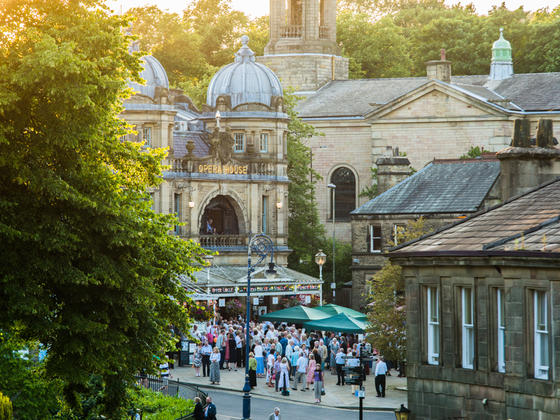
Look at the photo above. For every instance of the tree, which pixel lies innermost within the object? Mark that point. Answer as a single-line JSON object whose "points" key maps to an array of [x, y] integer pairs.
{"points": [[387, 307], [306, 235], [88, 269]]}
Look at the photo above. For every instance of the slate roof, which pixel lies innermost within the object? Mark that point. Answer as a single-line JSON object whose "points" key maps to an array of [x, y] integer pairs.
{"points": [[457, 186], [346, 98], [180, 140], [517, 225]]}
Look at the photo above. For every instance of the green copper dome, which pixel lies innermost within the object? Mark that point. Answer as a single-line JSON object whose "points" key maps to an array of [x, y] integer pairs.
{"points": [[501, 49]]}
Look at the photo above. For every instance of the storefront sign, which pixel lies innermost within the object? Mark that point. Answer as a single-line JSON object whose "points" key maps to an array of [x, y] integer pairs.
{"points": [[275, 300], [221, 303], [306, 287], [307, 299], [255, 301], [223, 169], [220, 290], [272, 288]]}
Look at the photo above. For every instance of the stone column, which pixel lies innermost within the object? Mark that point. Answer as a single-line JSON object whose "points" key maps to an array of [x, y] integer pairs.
{"points": [[311, 19], [330, 18]]}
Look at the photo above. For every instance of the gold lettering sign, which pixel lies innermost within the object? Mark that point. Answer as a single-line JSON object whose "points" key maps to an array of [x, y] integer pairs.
{"points": [[223, 169]]}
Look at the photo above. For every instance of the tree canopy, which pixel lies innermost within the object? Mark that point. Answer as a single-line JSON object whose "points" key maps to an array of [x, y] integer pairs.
{"points": [[88, 269]]}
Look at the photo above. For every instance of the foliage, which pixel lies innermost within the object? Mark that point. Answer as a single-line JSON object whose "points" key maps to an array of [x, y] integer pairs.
{"points": [[6, 409], [22, 380], [370, 191], [232, 309], [201, 312], [157, 406], [386, 297], [305, 232], [473, 152], [387, 314], [88, 269]]}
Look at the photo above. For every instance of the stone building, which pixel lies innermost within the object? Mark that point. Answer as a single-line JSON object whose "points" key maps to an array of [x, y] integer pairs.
{"points": [[482, 302], [227, 176], [442, 192], [438, 116]]}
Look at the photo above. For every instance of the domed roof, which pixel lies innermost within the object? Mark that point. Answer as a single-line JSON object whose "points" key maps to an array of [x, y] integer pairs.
{"points": [[154, 74], [244, 81], [501, 49]]}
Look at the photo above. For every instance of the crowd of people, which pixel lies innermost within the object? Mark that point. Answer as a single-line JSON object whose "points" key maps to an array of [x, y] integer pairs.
{"points": [[282, 356]]}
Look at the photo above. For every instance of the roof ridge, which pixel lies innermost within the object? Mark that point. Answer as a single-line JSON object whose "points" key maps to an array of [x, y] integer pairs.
{"points": [[477, 214]]}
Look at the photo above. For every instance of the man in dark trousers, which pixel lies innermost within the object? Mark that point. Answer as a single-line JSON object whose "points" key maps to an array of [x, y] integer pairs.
{"points": [[340, 360], [380, 372], [210, 411]]}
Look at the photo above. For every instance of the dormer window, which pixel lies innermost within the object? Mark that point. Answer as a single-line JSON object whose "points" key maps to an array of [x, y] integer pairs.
{"points": [[239, 145], [264, 143]]}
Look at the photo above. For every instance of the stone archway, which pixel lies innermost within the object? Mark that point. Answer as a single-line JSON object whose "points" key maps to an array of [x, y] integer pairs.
{"points": [[222, 216]]}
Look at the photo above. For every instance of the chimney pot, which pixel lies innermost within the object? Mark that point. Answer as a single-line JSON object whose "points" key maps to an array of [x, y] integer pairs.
{"points": [[544, 134], [521, 133]]}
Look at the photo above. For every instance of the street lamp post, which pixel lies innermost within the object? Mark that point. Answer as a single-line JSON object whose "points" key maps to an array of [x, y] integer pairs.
{"points": [[320, 259], [262, 246], [333, 284]]}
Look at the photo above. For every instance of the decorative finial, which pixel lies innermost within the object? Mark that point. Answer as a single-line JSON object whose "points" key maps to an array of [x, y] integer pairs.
{"points": [[244, 55], [244, 40], [501, 32]]}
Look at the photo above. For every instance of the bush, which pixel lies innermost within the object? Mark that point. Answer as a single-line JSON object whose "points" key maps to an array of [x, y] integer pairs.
{"points": [[6, 409], [156, 406]]}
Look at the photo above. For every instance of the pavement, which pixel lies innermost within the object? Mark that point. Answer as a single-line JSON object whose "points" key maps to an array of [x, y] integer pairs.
{"points": [[336, 396]]}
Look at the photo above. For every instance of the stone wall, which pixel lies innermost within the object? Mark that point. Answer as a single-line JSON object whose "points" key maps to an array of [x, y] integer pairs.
{"points": [[447, 390], [307, 71]]}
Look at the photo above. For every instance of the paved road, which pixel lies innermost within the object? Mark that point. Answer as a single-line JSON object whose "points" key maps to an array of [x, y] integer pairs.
{"points": [[230, 405]]}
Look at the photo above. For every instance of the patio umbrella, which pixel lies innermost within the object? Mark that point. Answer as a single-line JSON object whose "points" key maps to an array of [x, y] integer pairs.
{"points": [[298, 314], [332, 309], [338, 323]]}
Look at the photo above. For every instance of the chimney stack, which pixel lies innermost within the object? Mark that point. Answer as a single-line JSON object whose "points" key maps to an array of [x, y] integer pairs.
{"points": [[544, 134], [391, 170], [439, 69], [521, 133]]}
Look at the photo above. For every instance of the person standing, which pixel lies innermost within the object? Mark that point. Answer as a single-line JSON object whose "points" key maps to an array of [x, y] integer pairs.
{"points": [[293, 362], [210, 412], [221, 343], [275, 415], [311, 370], [340, 362], [259, 357], [284, 380], [252, 370], [197, 359], [323, 352], [334, 351], [380, 377], [198, 412], [301, 371], [238, 349], [231, 352], [318, 379], [215, 366], [206, 350]]}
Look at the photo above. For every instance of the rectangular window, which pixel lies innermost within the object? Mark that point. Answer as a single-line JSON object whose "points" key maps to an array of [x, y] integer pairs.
{"points": [[397, 229], [467, 328], [540, 315], [374, 238], [264, 143], [501, 330], [177, 205], [264, 214], [239, 145], [433, 325], [147, 136]]}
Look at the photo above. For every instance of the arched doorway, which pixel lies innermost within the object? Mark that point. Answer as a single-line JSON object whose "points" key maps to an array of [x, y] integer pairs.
{"points": [[345, 193], [220, 217]]}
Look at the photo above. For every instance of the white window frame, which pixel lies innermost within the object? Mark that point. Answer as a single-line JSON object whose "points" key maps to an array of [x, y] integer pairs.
{"points": [[239, 142], [541, 335], [374, 239], [147, 136], [467, 328], [263, 144], [501, 330], [264, 215], [433, 325]]}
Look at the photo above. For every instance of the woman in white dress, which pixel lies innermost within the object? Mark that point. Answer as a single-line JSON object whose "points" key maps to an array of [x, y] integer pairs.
{"points": [[284, 380]]}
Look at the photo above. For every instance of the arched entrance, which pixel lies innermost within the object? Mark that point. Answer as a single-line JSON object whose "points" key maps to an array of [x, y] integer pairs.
{"points": [[220, 217]]}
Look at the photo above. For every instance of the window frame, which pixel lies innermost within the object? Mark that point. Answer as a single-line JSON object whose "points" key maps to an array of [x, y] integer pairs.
{"points": [[540, 370], [147, 138], [264, 136], [467, 328], [236, 148], [433, 330], [264, 214], [500, 331], [177, 203], [373, 240]]}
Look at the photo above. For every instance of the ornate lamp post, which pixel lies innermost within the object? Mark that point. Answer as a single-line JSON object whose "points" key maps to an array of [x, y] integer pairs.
{"points": [[262, 246], [320, 259], [333, 284]]}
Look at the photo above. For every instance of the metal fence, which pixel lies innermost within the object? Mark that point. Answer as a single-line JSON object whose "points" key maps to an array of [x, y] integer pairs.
{"points": [[174, 389]]}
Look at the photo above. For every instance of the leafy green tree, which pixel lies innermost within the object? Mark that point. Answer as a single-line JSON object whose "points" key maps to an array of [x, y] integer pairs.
{"points": [[88, 269], [305, 232], [387, 306]]}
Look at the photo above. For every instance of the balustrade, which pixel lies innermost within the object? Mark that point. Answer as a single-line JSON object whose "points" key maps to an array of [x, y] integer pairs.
{"points": [[291, 31], [323, 32], [222, 241]]}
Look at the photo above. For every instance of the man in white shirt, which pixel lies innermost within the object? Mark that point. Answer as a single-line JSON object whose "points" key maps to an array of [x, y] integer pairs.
{"points": [[301, 371], [380, 372]]}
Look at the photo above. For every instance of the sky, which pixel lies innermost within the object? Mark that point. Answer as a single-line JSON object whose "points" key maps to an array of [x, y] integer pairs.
{"points": [[256, 8]]}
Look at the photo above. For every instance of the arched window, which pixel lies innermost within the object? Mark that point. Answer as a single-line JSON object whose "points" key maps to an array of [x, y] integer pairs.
{"points": [[345, 193], [219, 217]]}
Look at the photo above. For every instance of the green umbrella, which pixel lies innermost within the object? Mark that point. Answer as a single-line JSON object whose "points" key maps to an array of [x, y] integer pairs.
{"points": [[337, 323], [332, 309], [298, 314]]}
